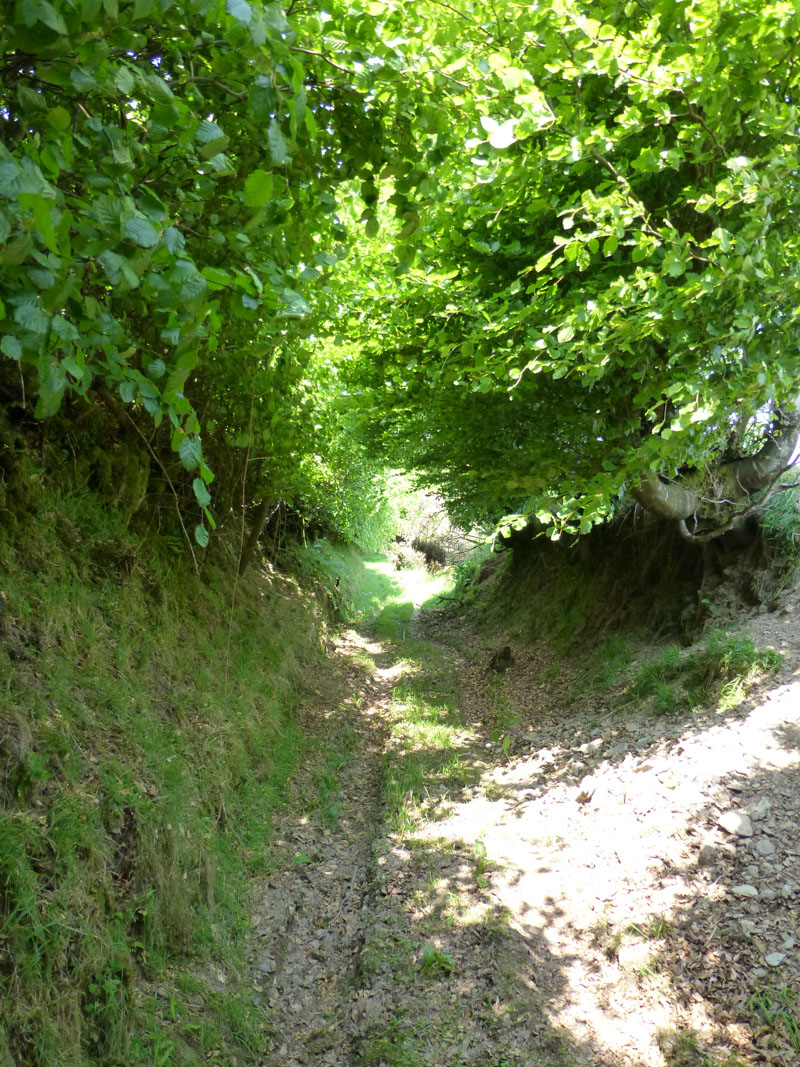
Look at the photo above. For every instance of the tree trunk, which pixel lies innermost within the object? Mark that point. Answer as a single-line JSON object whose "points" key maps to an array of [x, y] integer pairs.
{"points": [[740, 479], [666, 499], [262, 516]]}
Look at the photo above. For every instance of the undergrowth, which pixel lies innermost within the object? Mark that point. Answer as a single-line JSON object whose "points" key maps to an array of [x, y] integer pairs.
{"points": [[142, 752], [721, 667]]}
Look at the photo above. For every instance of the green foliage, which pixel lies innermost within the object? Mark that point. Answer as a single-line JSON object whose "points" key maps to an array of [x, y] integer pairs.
{"points": [[776, 1009], [781, 523], [466, 572], [164, 213], [587, 277], [613, 656], [539, 272], [140, 762], [434, 961], [340, 485], [678, 679]]}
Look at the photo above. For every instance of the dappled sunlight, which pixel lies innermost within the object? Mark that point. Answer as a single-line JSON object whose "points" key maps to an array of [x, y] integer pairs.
{"points": [[551, 882], [590, 865]]}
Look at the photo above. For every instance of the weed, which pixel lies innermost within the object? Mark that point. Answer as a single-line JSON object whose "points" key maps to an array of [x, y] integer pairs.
{"points": [[655, 929], [138, 774], [725, 663], [781, 522], [327, 782], [433, 960], [613, 657], [680, 1048], [776, 1008], [481, 863]]}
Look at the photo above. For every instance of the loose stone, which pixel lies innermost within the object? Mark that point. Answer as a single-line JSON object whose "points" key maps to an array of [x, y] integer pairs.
{"points": [[708, 856], [736, 822]]}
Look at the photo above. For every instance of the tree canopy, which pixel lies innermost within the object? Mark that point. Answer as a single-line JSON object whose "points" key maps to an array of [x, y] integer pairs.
{"points": [[536, 252]]}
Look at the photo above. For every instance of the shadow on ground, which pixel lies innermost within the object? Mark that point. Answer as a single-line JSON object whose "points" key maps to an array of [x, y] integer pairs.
{"points": [[539, 896]]}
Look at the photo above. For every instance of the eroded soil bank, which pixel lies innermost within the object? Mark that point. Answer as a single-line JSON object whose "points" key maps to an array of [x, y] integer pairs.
{"points": [[499, 868]]}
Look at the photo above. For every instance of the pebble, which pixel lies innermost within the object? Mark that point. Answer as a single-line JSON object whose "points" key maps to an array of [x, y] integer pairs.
{"points": [[764, 846], [708, 855], [760, 808], [736, 822], [745, 890], [774, 959], [618, 750]]}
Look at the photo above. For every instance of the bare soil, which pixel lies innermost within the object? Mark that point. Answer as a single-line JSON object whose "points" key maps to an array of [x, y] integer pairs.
{"points": [[607, 887]]}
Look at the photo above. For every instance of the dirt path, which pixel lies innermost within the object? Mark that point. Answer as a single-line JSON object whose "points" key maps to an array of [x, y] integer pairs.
{"points": [[309, 917], [505, 872]]}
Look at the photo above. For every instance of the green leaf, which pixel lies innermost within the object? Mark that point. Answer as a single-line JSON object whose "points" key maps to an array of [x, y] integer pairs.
{"points": [[52, 384], [109, 212], [215, 147], [125, 80], [674, 263], [174, 240], [31, 317], [610, 245], [372, 227], [72, 366], [202, 494], [112, 265], [543, 262], [218, 277], [208, 132], [277, 144], [201, 536], [258, 189], [39, 207], [11, 347], [59, 118], [275, 18], [240, 10], [191, 452], [50, 17], [142, 232], [640, 252]]}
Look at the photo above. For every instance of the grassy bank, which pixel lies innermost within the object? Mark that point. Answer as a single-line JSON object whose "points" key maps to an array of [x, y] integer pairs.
{"points": [[146, 734]]}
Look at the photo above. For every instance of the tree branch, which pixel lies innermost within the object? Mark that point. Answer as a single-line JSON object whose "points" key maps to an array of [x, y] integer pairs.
{"points": [[226, 88], [704, 536]]}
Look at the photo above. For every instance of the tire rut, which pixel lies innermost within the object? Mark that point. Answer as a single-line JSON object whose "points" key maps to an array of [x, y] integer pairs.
{"points": [[310, 911]]}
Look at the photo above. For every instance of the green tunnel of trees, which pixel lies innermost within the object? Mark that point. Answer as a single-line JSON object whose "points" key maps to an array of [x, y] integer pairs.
{"points": [[540, 254]]}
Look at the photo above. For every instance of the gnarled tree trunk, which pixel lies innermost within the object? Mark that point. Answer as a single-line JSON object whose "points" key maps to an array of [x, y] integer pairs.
{"points": [[737, 481]]}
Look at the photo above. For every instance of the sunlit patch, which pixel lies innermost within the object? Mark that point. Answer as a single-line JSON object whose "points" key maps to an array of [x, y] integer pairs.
{"points": [[614, 852]]}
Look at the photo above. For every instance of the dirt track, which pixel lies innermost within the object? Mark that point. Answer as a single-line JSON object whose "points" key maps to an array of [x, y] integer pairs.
{"points": [[589, 888]]}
